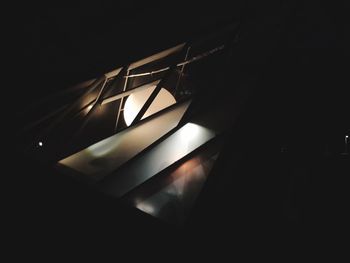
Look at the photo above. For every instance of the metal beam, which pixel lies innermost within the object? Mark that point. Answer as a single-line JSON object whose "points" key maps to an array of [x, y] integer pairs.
{"points": [[157, 56], [127, 93], [120, 103]]}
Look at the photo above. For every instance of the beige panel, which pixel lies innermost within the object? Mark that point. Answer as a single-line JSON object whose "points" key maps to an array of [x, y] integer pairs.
{"points": [[163, 100], [156, 56], [127, 93], [113, 73], [134, 103], [107, 155]]}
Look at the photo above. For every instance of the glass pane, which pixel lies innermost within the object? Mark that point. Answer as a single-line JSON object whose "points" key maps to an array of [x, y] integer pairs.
{"points": [[164, 154], [172, 196], [102, 158]]}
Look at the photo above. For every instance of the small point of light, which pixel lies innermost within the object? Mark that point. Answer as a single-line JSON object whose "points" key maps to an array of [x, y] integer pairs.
{"points": [[40, 144], [89, 107]]}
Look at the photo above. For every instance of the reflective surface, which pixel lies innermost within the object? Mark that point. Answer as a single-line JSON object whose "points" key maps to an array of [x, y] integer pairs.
{"points": [[107, 155], [171, 196], [162, 155], [174, 201], [136, 100]]}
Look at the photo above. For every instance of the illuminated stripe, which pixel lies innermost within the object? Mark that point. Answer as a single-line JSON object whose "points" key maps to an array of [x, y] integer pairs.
{"points": [[172, 149], [107, 155]]}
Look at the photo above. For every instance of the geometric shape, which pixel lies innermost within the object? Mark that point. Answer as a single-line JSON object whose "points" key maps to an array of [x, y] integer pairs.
{"points": [[156, 159], [135, 102], [118, 96], [104, 157], [163, 100], [172, 196]]}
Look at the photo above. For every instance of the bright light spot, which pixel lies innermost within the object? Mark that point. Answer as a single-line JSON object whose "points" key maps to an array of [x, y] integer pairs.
{"points": [[89, 107], [189, 131], [136, 100], [40, 144], [346, 136], [147, 208]]}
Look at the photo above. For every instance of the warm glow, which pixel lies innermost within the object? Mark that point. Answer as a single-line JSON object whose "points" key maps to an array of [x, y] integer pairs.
{"points": [[136, 100], [163, 100], [89, 107], [107, 155], [147, 208]]}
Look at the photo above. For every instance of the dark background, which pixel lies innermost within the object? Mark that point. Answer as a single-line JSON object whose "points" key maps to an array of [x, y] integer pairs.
{"points": [[290, 55]]}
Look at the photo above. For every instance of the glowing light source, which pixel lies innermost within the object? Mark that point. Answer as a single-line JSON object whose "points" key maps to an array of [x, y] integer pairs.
{"points": [[40, 144], [163, 100], [147, 208], [158, 158], [136, 100], [89, 107], [189, 131]]}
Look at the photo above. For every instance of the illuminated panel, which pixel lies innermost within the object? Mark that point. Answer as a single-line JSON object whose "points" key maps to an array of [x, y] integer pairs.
{"points": [[172, 149], [137, 99], [172, 196], [163, 100], [107, 155], [135, 102]]}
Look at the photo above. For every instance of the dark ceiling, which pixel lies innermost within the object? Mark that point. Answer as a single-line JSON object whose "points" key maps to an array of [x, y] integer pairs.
{"points": [[294, 49], [290, 53]]}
